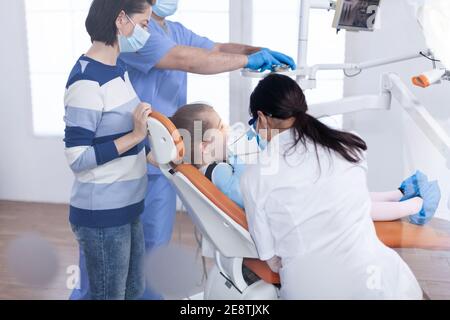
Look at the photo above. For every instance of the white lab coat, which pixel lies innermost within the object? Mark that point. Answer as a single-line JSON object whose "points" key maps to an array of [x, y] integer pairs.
{"points": [[318, 221]]}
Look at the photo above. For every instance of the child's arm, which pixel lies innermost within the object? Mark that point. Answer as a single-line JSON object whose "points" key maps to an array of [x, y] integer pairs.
{"points": [[389, 196], [227, 176], [228, 181], [390, 211]]}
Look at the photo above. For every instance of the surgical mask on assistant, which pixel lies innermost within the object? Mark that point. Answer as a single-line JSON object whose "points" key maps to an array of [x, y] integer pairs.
{"points": [[165, 8]]}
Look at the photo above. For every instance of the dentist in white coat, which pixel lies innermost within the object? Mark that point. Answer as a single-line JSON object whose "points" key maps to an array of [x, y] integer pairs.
{"points": [[308, 205]]}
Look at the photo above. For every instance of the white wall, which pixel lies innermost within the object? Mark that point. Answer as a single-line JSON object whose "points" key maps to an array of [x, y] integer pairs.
{"points": [[31, 168], [241, 31], [34, 168], [396, 146]]}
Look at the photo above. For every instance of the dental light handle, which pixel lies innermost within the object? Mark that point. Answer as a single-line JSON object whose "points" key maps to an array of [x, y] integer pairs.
{"points": [[429, 78]]}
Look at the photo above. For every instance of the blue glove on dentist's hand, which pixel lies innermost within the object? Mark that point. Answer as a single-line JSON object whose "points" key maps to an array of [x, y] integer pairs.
{"points": [[262, 61], [281, 57], [267, 59]]}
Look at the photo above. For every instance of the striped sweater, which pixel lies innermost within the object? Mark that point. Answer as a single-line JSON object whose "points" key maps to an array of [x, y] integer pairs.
{"points": [[109, 188]]}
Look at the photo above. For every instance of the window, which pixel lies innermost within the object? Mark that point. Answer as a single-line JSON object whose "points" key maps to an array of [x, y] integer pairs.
{"points": [[209, 19], [56, 38]]}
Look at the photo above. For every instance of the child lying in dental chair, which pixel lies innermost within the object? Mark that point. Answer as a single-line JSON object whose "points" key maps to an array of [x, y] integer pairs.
{"points": [[416, 198]]}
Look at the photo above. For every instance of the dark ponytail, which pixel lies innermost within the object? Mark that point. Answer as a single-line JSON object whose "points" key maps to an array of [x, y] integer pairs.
{"points": [[282, 98]]}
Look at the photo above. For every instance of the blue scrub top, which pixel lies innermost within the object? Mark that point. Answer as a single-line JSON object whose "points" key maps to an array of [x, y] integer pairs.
{"points": [[165, 90]]}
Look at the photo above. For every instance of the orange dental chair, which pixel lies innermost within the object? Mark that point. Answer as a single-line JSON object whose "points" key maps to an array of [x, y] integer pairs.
{"points": [[238, 274]]}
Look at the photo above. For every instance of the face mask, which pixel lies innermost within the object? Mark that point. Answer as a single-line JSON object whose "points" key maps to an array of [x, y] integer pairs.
{"points": [[136, 41], [253, 133], [165, 8]]}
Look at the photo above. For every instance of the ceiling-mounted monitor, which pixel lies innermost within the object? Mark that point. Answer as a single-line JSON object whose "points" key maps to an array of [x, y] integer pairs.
{"points": [[356, 15]]}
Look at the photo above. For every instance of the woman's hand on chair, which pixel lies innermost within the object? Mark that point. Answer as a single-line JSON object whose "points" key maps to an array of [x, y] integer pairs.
{"points": [[140, 116], [140, 132], [275, 264]]}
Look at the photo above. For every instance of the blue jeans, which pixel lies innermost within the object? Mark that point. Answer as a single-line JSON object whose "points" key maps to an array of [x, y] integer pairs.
{"points": [[158, 220], [114, 260]]}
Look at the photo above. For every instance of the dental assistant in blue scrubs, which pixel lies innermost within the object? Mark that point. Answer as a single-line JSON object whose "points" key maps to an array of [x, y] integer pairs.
{"points": [[159, 76], [158, 73]]}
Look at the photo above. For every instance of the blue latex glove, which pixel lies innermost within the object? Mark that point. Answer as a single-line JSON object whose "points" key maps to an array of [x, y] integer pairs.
{"points": [[284, 59], [418, 186], [431, 195], [227, 179], [262, 61], [252, 133], [411, 186]]}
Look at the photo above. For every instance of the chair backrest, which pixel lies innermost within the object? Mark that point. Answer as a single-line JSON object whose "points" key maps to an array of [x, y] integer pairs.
{"points": [[167, 143], [218, 218]]}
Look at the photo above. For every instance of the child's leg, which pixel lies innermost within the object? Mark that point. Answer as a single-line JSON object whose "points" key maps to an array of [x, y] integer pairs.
{"points": [[390, 196], [390, 211]]}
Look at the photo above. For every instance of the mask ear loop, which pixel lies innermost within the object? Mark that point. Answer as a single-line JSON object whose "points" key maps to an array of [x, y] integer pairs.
{"points": [[130, 20], [134, 23]]}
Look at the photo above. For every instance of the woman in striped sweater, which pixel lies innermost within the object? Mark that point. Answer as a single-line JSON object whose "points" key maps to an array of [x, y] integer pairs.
{"points": [[106, 127]]}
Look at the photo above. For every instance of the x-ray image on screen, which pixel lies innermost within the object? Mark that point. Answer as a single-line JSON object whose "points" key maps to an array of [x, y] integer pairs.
{"points": [[356, 15]]}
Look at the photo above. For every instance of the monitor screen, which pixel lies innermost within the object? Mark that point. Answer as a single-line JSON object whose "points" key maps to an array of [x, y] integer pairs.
{"points": [[356, 15]]}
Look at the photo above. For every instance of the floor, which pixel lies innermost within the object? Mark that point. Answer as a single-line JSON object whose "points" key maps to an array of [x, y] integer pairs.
{"points": [[50, 221], [432, 268]]}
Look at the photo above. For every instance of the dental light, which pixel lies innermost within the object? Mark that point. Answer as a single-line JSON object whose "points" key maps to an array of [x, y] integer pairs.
{"points": [[431, 77], [351, 15], [434, 18]]}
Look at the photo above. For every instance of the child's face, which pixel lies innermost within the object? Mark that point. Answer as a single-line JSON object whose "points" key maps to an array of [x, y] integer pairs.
{"points": [[215, 140]]}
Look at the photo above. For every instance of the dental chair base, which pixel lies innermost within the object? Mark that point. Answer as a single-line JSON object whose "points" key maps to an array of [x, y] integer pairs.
{"points": [[219, 287]]}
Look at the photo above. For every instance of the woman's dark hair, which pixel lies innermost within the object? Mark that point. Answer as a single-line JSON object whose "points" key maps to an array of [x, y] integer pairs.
{"points": [[282, 98], [101, 20]]}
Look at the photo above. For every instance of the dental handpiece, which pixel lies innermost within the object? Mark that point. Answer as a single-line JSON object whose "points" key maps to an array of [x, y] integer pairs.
{"points": [[281, 68]]}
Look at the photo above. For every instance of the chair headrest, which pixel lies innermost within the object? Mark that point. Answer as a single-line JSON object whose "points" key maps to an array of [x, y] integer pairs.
{"points": [[166, 142]]}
